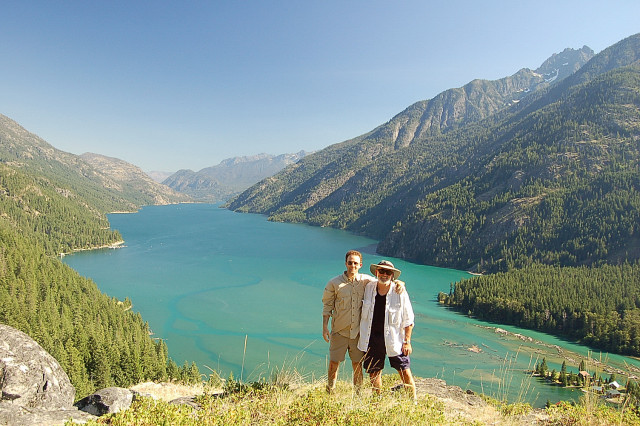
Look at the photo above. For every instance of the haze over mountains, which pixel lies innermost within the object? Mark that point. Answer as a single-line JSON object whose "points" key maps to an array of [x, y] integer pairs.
{"points": [[230, 177], [112, 183], [541, 166]]}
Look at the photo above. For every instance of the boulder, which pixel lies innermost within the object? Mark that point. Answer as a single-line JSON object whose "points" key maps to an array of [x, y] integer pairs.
{"points": [[15, 415], [106, 401], [29, 376]]}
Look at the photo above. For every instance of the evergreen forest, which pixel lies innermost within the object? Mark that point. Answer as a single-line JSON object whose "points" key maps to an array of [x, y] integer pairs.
{"points": [[599, 307], [49, 207]]}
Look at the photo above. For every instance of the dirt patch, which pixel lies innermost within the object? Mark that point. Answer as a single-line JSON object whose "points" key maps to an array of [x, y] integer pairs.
{"points": [[466, 406], [167, 391]]}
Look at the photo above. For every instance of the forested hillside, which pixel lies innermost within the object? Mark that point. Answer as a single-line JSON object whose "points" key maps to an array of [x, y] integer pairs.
{"points": [[57, 221], [562, 186], [599, 307], [50, 203], [488, 177], [70, 174]]}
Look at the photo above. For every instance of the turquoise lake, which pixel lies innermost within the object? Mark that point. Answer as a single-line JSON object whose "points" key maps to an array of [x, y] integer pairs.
{"points": [[207, 279]]}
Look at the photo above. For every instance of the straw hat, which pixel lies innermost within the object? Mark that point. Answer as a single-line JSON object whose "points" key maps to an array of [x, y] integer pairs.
{"points": [[385, 264]]}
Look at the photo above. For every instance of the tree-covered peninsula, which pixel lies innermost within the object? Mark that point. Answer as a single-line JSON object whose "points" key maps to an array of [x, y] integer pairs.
{"points": [[598, 306]]}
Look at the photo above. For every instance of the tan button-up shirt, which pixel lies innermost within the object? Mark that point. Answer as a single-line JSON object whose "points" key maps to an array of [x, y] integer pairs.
{"points": [[342, 300]]}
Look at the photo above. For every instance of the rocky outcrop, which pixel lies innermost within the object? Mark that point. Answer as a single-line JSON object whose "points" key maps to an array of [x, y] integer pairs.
{"points": [[21, 416], [106, 401], [34, 388], [467, 407], [29, 376]]}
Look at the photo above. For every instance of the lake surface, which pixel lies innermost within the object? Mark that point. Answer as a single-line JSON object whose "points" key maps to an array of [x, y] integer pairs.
{"points": [[207, 280]]}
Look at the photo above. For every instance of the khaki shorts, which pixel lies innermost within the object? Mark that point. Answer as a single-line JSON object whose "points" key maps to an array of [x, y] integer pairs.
{"points": [[339, 345]]}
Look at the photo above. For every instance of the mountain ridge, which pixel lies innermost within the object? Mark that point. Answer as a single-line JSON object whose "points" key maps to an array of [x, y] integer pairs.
{"points": [[347, 186], [429, 117], [230, 177], [26, 151]]}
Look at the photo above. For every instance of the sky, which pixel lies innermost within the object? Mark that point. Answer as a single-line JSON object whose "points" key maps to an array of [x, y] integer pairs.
{"points": [[170, 85]]}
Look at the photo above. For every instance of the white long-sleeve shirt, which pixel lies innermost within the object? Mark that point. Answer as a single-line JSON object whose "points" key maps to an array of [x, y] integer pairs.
{"points": [[398, 315]]}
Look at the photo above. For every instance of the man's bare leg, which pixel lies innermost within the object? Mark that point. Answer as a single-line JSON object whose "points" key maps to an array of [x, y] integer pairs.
{"points": [[332, 375], [376, 381], [357, 375], [409, 383]]}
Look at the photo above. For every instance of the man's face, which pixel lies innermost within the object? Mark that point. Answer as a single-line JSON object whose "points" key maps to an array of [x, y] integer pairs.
{"points": [[353, 263], [384, 275]]}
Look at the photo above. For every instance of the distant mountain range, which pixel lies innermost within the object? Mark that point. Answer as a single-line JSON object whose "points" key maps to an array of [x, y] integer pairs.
{"points": [[541, 166], [158, 175], [230, 177]]}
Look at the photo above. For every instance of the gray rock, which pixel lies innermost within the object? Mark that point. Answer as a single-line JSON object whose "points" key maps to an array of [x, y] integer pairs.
{"points": [[105, 401], [186, 400], [29, 376], [15, 415]]}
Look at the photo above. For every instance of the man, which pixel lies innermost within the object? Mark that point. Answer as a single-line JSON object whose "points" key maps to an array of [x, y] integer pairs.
{"points": [[342, 302], [385, 328]]}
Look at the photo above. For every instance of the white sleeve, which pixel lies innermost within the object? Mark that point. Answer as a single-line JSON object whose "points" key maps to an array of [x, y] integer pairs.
{"points": [[407, 310]]}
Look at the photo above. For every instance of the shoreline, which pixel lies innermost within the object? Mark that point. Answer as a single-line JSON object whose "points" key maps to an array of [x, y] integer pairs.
{"points": [[567, 355], [114, 245]]}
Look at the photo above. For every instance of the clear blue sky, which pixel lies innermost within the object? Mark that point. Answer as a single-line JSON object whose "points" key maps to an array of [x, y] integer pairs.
{"points": [[169, 85]]}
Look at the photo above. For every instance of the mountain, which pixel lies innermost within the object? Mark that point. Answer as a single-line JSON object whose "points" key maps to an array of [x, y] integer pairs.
{"points": [[105, 191], [51, 203], [490, 176], [125, 177], [230, 177], [159, 176]]}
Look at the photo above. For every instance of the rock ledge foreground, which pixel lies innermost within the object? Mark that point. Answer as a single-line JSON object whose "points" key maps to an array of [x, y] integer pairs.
{"points": [[36, 391]]}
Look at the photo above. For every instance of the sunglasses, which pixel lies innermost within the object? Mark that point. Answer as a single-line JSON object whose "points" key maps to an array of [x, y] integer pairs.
{"points": [[385, 272]]}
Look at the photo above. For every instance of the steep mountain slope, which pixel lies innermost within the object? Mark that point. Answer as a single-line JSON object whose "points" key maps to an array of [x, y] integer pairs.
{"points": [[131, 180], [230, 177], [26, 151], [55, 217], [559, 184], [491, 185], [324, 173]]}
